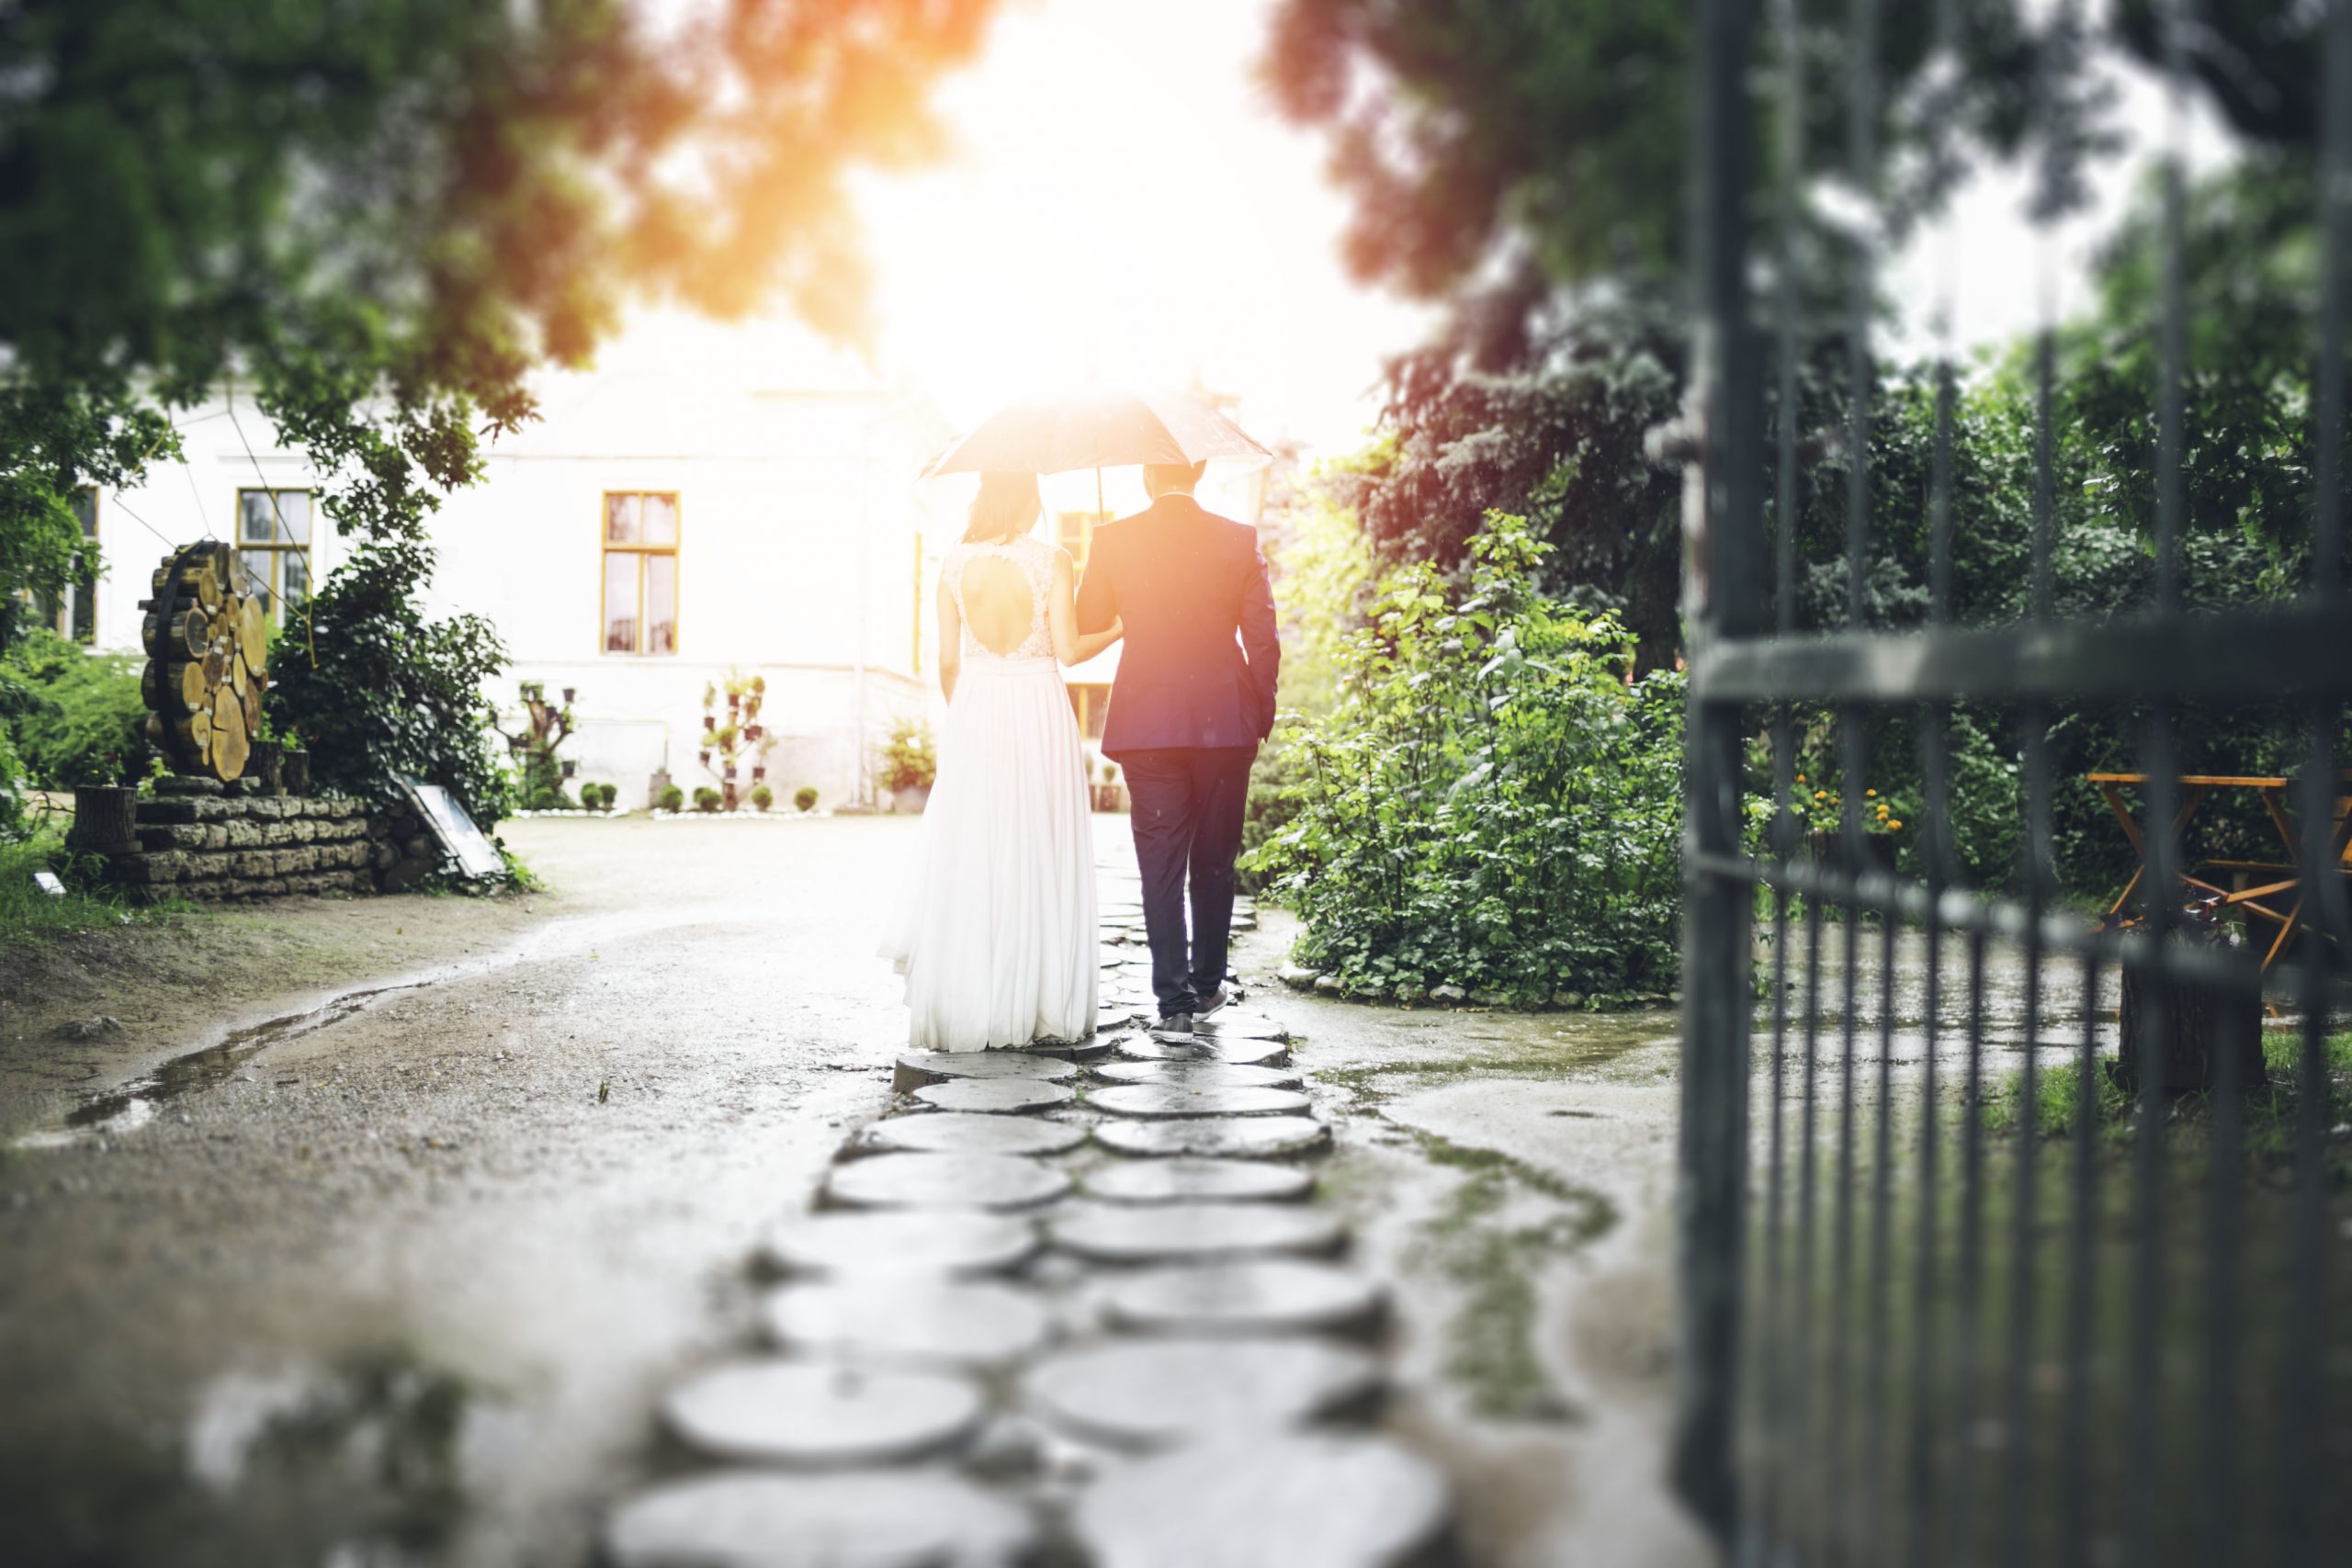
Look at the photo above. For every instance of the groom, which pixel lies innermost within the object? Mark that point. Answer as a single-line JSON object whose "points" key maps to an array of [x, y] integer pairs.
{"points": [[1194, 695]]}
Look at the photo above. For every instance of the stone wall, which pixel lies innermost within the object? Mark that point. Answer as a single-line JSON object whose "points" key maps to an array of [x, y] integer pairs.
{"points": [[220, 846]]}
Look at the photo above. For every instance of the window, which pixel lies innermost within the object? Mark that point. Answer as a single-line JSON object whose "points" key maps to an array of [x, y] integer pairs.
{"points": [[274, 546], [74, 611], [1074, 531], [641, 571], [1090, 701]]}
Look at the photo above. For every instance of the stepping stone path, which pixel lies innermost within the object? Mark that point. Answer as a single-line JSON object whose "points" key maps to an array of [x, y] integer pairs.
{"points": [[937, 1242], [885, 1520], [1154, 1394], [944, 1181], [967, 1132], [1000, 1097], [1187, 1233], [1198, 1075], [916, 1068], [1166, 1100], [803, 1412], [1142, 1047], [948, 1304], [1186, 1180], [1245, 1138], [1273, 1296], [908, 1319], [1308, 1501]]}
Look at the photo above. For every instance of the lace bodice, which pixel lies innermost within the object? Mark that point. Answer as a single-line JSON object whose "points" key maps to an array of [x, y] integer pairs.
{"points": [[1035, 559]]}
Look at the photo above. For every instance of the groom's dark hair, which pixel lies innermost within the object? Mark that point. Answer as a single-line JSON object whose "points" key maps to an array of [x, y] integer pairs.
{"points": [[1159, 478]]}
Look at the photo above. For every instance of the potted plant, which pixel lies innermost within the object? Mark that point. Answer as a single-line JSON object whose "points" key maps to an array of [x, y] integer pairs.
{"points": [[762, 797], [805, 798], [910, 766], [672, 798], [707, 799]]}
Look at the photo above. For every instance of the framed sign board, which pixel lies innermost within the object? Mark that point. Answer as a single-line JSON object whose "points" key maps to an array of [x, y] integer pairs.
{"points": [[474, 855]]}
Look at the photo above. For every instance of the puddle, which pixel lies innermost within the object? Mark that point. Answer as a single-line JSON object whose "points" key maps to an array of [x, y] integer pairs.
{"points": [[124, 1107]]}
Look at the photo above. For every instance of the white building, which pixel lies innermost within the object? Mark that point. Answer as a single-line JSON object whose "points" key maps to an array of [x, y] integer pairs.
{"points": [[708, 501]]}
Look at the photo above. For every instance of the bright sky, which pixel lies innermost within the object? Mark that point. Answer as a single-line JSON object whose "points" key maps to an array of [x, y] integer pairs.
{"points": [[1122, 203]]}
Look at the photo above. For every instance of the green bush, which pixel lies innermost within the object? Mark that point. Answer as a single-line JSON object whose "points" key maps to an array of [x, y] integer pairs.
{"points": [[74, 717], [393, 693], [1491, 804], [805, 798], [762, 796], [708, 799], [673, 798]]}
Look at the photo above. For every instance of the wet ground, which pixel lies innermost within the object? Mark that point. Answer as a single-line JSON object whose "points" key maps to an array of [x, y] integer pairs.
{"points": [[395, 1277]]}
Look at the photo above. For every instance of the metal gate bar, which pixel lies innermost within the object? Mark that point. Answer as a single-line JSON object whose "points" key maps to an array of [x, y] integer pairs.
{"points": [[1795, 1442]]}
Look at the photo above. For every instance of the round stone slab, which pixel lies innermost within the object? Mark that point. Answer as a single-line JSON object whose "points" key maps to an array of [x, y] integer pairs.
{"points": [[1155, 1100], [1244, 1136], [912, 1241], [1235, 1025], [943, 1181], [1269, 1295], [1141, 1046], [916, 1068], [1304, 1500], [743, 1519], [1156, 1393], [995, 1097], [903, 1319], [1188, 1233], [969, 1133], [1186, 1180], [1199, 1075], [778, 1412]]}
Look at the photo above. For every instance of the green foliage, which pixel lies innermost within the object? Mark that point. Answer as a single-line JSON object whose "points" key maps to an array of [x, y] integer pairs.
{"points": [[599, 797], [385, 212], [909, 759], [72, 717], [805, 798], [762, 796], [673, 798], [392, 692], [707, 798], [1492, 804]]}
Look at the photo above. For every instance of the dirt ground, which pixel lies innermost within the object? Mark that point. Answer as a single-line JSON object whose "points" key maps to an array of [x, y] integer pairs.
{"points": [[373, 1233]]}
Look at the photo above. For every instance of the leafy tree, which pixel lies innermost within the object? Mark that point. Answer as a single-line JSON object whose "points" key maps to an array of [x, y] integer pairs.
{"points": [[378, 215], [74, 717]]}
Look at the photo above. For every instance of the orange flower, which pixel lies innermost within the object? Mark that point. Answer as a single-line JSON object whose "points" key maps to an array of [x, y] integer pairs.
{"points": [[1896, 823]]}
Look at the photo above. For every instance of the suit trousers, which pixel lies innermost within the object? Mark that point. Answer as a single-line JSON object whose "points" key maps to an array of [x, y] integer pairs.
{"points": [[1187, 809]]}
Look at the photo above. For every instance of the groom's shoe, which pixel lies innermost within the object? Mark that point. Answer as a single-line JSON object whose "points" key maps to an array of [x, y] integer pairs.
{"points": [[1211, 1002], [1176, 1025]]}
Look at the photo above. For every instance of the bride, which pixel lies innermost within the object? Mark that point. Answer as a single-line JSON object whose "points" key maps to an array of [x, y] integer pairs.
{"points": [[996, 933]]}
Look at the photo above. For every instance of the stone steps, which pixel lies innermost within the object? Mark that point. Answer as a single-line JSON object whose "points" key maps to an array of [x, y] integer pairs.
{"points": [[1071, 1304]]}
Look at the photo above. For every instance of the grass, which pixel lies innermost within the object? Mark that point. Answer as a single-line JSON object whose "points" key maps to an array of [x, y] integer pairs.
{"points": [[29, 916], [2270, 1109], [1490, 1248]]}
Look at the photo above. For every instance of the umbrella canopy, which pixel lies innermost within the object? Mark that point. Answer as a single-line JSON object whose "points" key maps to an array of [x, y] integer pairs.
{"points": [[1096, 427]]}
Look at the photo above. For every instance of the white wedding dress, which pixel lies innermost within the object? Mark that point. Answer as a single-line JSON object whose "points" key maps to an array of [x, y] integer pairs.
{"points": [[995, 932]]}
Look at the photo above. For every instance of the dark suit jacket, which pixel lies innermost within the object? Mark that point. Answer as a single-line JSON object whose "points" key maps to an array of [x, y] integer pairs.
{"points": [[1201, 655]]}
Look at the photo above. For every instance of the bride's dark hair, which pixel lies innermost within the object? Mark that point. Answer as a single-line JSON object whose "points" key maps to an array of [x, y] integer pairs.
{"points": [[1006, 508]]}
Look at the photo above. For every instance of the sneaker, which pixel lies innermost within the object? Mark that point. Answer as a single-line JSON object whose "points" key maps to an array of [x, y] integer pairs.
{"points": [[1176, 1024], [1212, 1002]]}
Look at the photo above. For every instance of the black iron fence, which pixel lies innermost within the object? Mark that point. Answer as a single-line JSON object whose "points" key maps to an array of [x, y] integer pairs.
{"points": [[2007, 1221]]}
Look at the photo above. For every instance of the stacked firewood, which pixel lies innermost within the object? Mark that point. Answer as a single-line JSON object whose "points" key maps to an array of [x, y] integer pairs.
{"points": [[206, 647]]}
